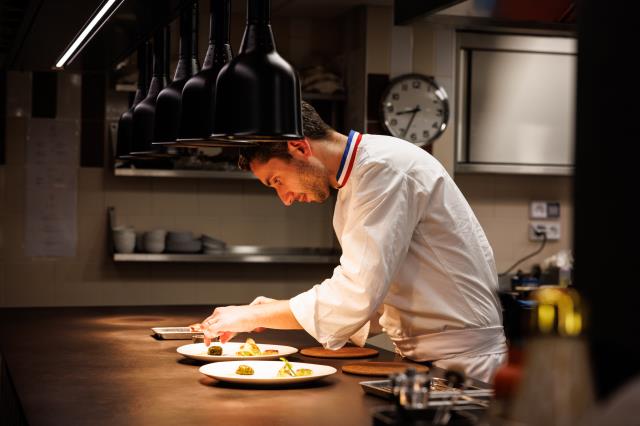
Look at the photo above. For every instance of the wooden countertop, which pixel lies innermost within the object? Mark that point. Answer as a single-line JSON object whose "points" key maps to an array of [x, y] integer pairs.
{"points": [[101, 366]]}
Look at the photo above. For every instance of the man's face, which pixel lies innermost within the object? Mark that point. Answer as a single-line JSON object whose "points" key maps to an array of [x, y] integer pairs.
{"points": [[304, 181]]}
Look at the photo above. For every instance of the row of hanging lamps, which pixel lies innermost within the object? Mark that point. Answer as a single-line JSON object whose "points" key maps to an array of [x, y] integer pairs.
{"points": [[125, 124], [254, 97], [199, 93]]}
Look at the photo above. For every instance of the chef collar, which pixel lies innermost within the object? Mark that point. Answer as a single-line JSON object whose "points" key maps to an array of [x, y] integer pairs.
{"points": [[348, 158]]}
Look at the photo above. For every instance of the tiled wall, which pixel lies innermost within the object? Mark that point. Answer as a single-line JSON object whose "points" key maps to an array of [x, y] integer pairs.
{"points": [[239, 212]]}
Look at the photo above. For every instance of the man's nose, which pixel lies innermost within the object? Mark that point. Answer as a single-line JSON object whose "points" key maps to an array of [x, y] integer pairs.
{"points": [[285, 196]]}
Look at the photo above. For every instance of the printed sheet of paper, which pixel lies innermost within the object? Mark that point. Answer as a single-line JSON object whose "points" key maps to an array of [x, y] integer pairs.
{"points": [[51, 185]]}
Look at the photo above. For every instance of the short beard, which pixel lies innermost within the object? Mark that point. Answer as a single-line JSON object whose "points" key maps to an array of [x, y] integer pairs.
{"points": [[313, 179]]}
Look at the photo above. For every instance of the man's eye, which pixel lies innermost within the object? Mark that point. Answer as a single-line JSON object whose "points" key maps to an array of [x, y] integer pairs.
{"points": [[276, 181]]}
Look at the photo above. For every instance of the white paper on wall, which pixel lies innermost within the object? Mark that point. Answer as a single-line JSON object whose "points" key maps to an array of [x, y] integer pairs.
{"points": [[51, 185]]}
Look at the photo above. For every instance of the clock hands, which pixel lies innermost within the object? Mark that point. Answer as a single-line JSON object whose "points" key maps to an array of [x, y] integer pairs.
{"points": [[413, 115], [409, 111]]}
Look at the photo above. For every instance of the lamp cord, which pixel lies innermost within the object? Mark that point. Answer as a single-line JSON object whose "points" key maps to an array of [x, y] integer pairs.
{"points": [[544, 242]]}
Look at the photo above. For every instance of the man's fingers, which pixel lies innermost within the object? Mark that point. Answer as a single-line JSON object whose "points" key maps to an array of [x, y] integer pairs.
{"points": [[225, 336]]}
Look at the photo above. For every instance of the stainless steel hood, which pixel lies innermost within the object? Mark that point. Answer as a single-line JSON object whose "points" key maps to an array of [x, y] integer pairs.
{"points": [[542, 14]]}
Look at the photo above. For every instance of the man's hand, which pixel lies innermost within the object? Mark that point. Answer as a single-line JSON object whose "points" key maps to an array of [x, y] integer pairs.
{"points": [[226, 322], [224, 334]]}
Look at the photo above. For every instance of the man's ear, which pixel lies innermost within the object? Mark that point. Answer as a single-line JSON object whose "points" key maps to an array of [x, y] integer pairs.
{"points": [[300, 149]]}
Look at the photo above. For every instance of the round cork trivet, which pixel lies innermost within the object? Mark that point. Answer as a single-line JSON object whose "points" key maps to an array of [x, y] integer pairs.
{"points": [[373, 368], [344, 352]]}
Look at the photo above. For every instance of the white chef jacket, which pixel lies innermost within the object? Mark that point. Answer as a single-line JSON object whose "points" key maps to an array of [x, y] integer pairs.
{"points": [[414, 258]]}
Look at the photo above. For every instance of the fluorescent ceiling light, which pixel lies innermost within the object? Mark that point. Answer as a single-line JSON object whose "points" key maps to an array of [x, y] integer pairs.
{"points": [[88, 30]]}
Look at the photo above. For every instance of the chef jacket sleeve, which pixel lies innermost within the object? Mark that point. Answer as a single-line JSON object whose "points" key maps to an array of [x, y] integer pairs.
{"points": [[379, 224]]}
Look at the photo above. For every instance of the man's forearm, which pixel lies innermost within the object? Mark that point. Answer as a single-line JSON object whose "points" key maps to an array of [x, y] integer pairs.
{"points": [[276, 315]]}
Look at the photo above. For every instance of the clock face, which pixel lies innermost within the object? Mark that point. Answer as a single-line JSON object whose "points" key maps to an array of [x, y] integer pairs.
{"points": [[415, 108]]}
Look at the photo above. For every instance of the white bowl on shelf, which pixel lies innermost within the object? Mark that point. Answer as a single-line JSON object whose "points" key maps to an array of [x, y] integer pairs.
{"points": [[124, 239]]}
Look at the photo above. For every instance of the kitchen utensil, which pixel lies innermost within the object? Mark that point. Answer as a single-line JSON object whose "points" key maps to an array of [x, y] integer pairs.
{"points": [[265, 372], [154, 241], [198, 351], [373, 368], [144, 112], [175, 333], [124, 239], [344, 352]]}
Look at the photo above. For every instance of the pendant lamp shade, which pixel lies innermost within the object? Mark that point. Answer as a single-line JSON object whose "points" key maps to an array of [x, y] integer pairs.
{"points": [[258, 92], [125, 124], [198, 95], [169, 102], [144, 113]]}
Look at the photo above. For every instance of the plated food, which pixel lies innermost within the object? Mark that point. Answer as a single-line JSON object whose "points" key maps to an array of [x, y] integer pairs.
{"points": [[266, 372], [234, 351]]}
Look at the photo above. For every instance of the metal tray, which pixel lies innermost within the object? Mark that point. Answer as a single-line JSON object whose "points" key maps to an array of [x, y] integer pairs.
{"points": [[175, 333]]}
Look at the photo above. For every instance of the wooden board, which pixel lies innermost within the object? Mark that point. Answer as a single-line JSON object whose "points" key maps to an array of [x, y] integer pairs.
{"points": [[344, 352], [373, 368]]}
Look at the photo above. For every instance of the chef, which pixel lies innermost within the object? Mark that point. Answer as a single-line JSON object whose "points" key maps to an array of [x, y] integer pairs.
{"points": [[415, 261]]}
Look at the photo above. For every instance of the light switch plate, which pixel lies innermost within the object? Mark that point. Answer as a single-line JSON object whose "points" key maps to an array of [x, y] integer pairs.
{"points": [[538, 210]]}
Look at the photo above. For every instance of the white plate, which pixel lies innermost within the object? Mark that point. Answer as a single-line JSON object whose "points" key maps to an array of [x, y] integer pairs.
{"points": [[265, 372], [199, 351]]}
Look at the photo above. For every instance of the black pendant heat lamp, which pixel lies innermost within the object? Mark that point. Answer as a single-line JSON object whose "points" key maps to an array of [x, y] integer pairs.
{"points": [[169, 103], [258, 92], [125, 124], [198, 95], [144, 113]]}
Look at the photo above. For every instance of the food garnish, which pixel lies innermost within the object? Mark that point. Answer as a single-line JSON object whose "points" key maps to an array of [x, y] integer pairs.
{"points": [[249, 348], [288, 371], [214, 350], [244, 370]]}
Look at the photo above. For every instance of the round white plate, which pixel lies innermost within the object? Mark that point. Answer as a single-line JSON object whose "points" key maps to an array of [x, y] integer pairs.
{"points": [[199, 351], [265, 372]]}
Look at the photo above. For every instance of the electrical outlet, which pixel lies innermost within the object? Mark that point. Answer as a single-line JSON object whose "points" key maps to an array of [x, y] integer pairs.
{"points": [[552, 229]]}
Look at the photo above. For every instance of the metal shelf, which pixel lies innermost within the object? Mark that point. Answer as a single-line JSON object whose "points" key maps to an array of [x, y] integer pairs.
{"points": [[241, 254], [211, 174], [313, 96]]}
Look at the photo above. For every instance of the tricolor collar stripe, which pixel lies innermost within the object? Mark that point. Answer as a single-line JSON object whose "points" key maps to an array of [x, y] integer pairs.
{"points": [[348, 158]]}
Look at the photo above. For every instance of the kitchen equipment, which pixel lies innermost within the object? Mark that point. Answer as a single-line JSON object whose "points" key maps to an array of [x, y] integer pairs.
{"points": [[344, 352], [438, 387], [154, 241], [144, 112], [198, 351], [374, 368], [258, 92], [174, 333], [125, 124], [198, 95], [265, 372], [168, 104], [124, 239]]}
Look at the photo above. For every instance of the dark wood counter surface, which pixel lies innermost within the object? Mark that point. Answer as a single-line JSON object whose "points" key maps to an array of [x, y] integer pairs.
{"points": [[101, 366]]}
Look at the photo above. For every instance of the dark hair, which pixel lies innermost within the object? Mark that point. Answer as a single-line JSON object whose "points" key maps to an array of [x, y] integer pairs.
{"points": [[313, 127]]}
